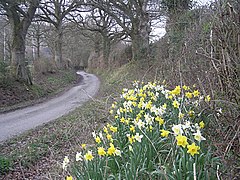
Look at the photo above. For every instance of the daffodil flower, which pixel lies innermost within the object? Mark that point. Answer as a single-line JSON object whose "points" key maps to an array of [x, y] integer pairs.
{"points": [[177, 129], [101, 151], [65, 163], [138, 137], [193, 149], [164, 133], [198, 136], [79, 156], [69, 178], [181, 141], [201, 124], [88, 156]]}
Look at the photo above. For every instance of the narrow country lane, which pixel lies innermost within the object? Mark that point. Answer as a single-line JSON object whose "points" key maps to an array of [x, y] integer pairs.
{"points": [[16, 122]]}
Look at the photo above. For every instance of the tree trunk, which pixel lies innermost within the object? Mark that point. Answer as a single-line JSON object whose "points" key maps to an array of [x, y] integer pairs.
{"points": [[140, 36], [18, 59], [58, 46], [20, 22], [106, 51], [140, 43]]}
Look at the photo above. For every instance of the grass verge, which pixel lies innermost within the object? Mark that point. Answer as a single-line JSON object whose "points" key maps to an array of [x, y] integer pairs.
{"points": [[38, 154]]}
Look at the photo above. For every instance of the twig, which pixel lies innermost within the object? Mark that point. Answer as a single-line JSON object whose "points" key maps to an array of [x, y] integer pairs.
{"points": [[194, 171], [20, 166], [230, 143], [217, 172]]}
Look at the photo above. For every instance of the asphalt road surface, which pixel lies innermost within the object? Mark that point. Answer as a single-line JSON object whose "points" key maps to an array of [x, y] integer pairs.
{"points": [[16, 122]]}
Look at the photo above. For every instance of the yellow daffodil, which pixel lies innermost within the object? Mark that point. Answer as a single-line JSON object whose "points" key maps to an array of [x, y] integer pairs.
{"points": [[189, 95], [83, 146], [170, 97], [109, 137], [196, 93], [122, 120], [113, 129], [186, 87], [159, 120], [149, 105], [127, 121], [164, 133], [105, 129], [193, 149], [150, 128], [176, 104], [101, 151], [111, 150], [207, 98], [132, 128], [131, 139], [176, 91], [98, 140], [69, 178], [191, 113], [88, 156], [164, 106], [180, 115], [201, 124], [181, 141]]}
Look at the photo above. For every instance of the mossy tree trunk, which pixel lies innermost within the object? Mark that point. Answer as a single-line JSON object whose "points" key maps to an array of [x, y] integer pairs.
{"points": [[20, 18], [140, 39]]}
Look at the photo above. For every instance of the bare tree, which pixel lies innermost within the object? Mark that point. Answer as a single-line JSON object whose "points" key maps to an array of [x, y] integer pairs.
{"points": [[134, 18], [20, 15], [55, 13], [36, 36], [103, 30]]}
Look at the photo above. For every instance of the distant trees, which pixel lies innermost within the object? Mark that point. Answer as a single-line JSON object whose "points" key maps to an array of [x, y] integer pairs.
{"points": [[20, 15], [102, 29], [132, 17], [109, 21]]}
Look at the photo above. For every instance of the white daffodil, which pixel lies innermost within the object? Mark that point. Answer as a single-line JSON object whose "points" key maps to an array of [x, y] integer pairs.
{"points": [[118, 152], [198, 136], [94, 134], [138, 137], [79, 156], [148, 119], [177, 129], [186, 125], [140, 124], [65, 163], [130, 148]]}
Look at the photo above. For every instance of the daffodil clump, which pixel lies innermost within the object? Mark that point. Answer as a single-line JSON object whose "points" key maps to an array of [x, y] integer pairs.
{"points": [[156, 133]]}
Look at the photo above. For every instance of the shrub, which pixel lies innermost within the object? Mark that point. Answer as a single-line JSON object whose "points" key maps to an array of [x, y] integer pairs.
{"points": [[156, 134]]}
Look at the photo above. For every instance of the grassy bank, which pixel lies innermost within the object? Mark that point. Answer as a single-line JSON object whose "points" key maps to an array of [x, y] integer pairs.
{"points": [[14, 94], [38, 154]]}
